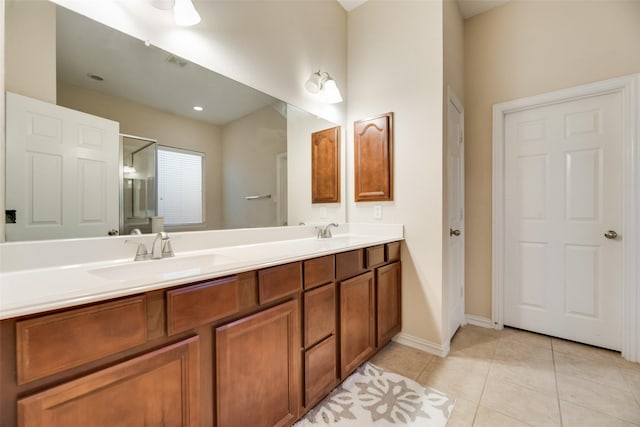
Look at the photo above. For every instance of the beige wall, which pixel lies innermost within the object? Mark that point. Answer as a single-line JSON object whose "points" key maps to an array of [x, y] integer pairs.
{"points": [[166, 128], [395, 64], [250, 146], [526, 48], [453, 31], [30, 64]]}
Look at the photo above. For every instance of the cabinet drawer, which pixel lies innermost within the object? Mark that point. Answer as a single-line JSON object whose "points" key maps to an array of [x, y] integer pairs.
{"points": [[318, 271], [319, 314], [201, 303], [160, 388], [349, 264], [320, 370], [393, 251], [375, 256], [56, 342], [278, 282]]}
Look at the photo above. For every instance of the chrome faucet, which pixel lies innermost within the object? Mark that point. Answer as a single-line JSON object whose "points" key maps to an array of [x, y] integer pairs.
{"points": [[141, 253], [325, 233], [161, 246]]}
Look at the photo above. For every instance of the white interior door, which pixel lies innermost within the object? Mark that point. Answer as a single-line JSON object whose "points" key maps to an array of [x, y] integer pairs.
{"points": [[455, 209], [62, 171], [563, 193]]}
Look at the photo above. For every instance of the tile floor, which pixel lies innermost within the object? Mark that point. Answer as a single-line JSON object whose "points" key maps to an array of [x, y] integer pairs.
{"points": [[515, 378]]}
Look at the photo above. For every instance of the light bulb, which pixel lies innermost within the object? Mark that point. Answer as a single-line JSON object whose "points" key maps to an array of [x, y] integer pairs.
{"points": [[314, 84], [331, 93], [185, 14]]}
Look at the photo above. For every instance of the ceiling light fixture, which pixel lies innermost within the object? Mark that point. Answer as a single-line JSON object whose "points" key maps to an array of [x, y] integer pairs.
{"points": [[185, 14], [322, 84], [198, 108]]}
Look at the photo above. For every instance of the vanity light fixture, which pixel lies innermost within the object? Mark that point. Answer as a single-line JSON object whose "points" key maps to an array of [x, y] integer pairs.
{"points": [[185, 14], [322, 84]]}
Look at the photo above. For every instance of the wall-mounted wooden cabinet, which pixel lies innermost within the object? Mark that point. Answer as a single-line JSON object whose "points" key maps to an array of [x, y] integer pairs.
{"points": [[325, 166], [373, 153]]}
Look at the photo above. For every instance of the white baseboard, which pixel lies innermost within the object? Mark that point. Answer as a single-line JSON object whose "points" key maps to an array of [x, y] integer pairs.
{"points": [[480, 321], [420, 344]]}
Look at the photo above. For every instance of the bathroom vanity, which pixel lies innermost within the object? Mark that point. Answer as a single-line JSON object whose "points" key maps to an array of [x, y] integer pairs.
{"points": [[258, 347]]}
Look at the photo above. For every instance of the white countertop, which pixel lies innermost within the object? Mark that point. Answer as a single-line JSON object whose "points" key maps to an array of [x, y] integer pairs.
{"points": [[26, 291]]}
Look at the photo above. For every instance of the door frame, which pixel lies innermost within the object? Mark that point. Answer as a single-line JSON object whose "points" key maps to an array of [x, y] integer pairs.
{"points": [[453, 98], [629, 88], [281, 198]]}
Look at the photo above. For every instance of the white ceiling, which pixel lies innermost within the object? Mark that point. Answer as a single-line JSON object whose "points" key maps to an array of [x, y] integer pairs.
{"points": [[143, 74], [468, 8]]}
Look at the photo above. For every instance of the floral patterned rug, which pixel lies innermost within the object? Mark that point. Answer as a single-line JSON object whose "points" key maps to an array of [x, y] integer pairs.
{"points": [[375, 397]]}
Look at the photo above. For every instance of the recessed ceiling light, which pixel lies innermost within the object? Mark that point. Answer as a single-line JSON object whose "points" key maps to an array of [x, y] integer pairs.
{"points": [[198, 108]]}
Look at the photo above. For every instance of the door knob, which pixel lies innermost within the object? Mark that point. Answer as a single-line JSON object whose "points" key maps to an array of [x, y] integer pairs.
{"points": [[610, 234], [453, 232]]}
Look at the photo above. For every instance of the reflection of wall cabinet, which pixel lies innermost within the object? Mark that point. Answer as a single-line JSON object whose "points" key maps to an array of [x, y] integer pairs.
{"points": [[325, 166], [258, 348], [373, 152]]}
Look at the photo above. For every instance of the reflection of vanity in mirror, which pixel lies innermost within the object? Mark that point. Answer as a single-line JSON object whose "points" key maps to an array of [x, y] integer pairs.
{"points": [[254, 149]]}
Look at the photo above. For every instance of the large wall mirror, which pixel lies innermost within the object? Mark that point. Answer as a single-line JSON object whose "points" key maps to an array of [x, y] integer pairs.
{"points": [[246, 140]]}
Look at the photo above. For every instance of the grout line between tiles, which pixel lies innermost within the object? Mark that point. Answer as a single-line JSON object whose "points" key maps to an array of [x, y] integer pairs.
{"points": [[484, 384], [555, 376]]}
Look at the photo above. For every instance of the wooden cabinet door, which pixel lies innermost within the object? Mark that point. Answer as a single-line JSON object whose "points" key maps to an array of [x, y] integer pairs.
{"points": [[357, 322], [373, 152], [258, 369], [160, 388], [388, 297]]}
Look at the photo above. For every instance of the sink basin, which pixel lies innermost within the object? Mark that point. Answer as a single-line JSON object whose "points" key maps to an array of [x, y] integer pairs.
{"points": [[163, 269]]}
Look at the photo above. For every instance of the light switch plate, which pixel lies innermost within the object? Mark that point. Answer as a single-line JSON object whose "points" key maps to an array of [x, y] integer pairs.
{"points": [[377, 212]]}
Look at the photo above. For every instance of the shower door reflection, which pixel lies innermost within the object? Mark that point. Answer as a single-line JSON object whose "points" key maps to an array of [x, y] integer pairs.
{"points": [[139, 184]]}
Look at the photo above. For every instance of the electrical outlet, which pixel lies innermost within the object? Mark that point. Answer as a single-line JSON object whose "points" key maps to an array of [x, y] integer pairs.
{"points": [[323, 213], [377, 212]]}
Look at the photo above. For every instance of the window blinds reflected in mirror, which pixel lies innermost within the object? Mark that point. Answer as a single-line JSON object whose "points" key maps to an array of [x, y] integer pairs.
{"points": [[180, 195]]}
